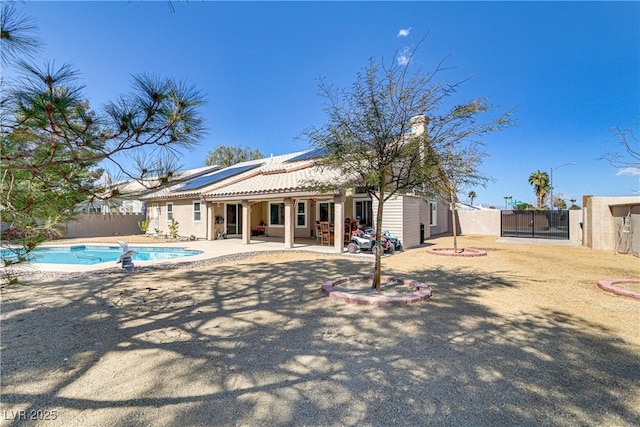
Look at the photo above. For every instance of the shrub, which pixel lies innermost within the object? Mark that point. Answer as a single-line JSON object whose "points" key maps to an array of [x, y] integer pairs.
{"points": [[173, 228], [144, 225]]}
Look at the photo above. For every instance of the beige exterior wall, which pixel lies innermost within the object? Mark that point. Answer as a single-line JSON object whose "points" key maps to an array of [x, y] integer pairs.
{"points": [[412, 213], [575, 230], [260, 212], [183, 213], [634, 228], [443, 220], [348, 208], [424, 219], [98, 225], [483, 222], [602, 218], [403, 216]]}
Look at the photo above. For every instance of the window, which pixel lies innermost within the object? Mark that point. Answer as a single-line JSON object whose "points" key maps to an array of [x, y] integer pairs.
{"points": [[361, 190], [326, 211], [301, 214], [433, 213], [169, 211], [364, 212], [276, 214], [197, 213]]}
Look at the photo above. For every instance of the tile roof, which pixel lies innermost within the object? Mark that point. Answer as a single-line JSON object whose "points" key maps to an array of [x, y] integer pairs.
{"points": [[285, 180], [283, 173]]}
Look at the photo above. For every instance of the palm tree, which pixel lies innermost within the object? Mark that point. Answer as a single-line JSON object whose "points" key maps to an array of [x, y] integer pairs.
{"points": [[541, 187], [559, 202], [472, 196], [573, 204]]}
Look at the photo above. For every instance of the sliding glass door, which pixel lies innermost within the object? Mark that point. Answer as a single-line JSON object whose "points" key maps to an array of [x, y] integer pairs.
{"points": [[234, 219]]}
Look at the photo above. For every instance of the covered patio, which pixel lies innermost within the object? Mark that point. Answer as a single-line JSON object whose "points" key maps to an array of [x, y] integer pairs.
{"points": [[290, 220]]}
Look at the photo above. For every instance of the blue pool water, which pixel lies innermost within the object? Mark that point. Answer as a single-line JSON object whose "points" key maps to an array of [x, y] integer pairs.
{"points": [[88, 255]]}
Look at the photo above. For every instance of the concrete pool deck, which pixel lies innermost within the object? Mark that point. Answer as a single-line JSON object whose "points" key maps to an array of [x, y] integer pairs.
{"points": [[210, 249]]}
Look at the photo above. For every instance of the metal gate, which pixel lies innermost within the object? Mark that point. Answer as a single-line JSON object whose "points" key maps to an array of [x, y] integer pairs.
{"points": [[535, 224]]}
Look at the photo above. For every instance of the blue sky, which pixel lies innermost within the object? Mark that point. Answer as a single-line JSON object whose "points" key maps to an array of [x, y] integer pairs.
{"points": [[570, 70]]}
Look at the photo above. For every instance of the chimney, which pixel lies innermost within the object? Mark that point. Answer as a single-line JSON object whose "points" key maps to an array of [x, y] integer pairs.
{"points": [[419, 124]]}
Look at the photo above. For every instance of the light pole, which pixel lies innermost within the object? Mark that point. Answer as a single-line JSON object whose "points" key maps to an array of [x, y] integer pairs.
{"points": [[551, 181]]}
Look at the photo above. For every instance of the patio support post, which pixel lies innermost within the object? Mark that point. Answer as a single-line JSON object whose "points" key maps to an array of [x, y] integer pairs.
{"points": [[288, 223], [338, 233], [246, 222], [210, 221]]}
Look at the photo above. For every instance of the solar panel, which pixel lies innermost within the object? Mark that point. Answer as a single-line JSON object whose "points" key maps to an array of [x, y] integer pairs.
{"points": [[312, 154], [202, 181]]}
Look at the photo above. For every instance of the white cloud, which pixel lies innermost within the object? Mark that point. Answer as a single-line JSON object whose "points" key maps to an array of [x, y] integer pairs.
{"points": [[629, 171], [404, 56], [404, 32]]}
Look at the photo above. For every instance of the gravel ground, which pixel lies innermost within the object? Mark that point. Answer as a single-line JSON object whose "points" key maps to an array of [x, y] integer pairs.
{"points": [[520, 337]]}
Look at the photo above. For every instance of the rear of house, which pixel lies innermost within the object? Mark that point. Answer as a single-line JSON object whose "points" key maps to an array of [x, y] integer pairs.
{"points": [[277, 196]]}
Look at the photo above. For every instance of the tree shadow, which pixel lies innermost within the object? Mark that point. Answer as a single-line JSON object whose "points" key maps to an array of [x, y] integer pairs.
{"points": [[259, 344]]}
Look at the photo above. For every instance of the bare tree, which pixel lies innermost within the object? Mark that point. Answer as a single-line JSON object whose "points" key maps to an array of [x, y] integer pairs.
{"points": [[458, 169], [627, 162], [387, 132]]}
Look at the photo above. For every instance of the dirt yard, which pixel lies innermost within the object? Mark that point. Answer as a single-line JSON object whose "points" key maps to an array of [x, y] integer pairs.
{"points": [[522, 336]]}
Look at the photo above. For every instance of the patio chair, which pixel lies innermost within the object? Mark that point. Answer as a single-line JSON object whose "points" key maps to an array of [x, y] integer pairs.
{"points": [[325, 233], [348, 228]]}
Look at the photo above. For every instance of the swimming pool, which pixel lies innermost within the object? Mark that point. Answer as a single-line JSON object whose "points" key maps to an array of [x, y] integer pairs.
{"points": [[90, 255]]}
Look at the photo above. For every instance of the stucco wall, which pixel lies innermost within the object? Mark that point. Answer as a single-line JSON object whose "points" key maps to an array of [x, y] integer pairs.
{"points": [[600, 226], [483, 222], [575, 229], [183, 214], [410, 232], [98, 225], [443, 220], [635, 233]]}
